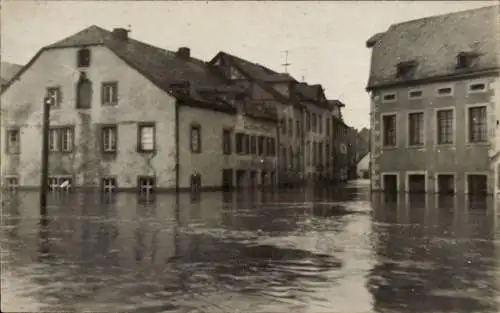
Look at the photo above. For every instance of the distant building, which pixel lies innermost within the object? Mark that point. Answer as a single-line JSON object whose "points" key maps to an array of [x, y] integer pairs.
{"points": [[363, 166], [129, 116], [434, 86]]}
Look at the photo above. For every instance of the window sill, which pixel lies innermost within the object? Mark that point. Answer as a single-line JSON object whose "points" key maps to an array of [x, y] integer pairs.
{"points": [[146, 151], [389, 147], [109, 105], [415, 147], [477, 144]]}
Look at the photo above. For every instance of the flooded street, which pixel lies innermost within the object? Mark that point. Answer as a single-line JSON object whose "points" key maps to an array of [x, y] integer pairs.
{"points": [[296, 251]]}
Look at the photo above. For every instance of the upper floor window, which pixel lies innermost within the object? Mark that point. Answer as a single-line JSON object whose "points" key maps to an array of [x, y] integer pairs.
{"points": [[13, 141], [297, 127], [195, 136], [239, 143], [445, 126], [389, 97], [477, 124], [109, 94], [84, 93], [146, 139], [226, 142], [328, 126], [308, 121], [406, 69], [416, 129], [290, 127], [271, 147], [476, 87], [320, 124], [389, 130], [109, 138], [54, 95], [415, 94], [261, 142], [83, 57], [314, 122], [466, 59], [445, 91], [253, 145], [61, 139], [283, 126]]}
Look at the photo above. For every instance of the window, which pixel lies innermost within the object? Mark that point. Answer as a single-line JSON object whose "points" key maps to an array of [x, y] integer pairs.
{"points": [[314, 155], [261, 143], [283, 126], [226, 142], [246, 144], [320, 153], [146, 185], [445, 126], [195, 138], [253, 145], [109, 94], [11, 183], [406, 69], [108, 184], [415, 94], [444, 91], [416, 129], [477, 124], [54, 94], [389, 130], [84, 94], [283, 157], [61, 139], [477, 184], [56, 182], [308, 121], [308, 153], [297, 127], [13, 141], [314, 122], [389, 97], [320, 124], [109, 138], [477, 87], [466, 59], [328, 126], [271, 147], [239, 143], [290, 127], [83, 57], [327, 153], [290, 157], [146, 137]]}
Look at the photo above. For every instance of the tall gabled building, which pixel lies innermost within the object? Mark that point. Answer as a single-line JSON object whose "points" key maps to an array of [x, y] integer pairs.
{"points": [[434, 87]]}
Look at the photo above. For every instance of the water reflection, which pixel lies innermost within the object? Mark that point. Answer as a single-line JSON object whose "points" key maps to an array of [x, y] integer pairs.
{"points": [[436, 255], [296, 251]]}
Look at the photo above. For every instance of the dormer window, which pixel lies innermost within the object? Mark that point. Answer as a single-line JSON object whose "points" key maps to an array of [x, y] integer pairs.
{"points": [[466, 59], [234, 74], [406, 68], [83, 57]]}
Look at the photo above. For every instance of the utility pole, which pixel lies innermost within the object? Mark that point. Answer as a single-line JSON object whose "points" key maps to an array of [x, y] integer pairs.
{"points": [[44, 175], [286, 64]]}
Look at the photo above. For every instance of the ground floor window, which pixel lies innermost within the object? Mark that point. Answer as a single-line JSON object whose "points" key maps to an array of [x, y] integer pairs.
{"points": [[108, 184], [227, 179], [390, 182], [11, 183], [446, 184], [416, 183], [195, 182], [477, 184], [146, 185], [60, 183]]}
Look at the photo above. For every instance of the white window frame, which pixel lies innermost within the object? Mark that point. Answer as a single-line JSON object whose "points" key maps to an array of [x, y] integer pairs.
{"points": [[112, 138], [398, 181], [59, 179], [382, 130], [56, 97], [454, 126], [387, 94], [7, 182], [424, 129], [109, 188], [113, 90], [467, 174], [467, 137], [152, 127], [54, 142], [410, 173], [469, 85], [9, 147], [436, 181], [151, 189], [66, 133], [451, 94], [414, 90]]}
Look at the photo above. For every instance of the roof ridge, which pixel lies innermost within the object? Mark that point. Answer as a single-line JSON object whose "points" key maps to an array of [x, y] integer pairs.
{"points": [[444, 14]]}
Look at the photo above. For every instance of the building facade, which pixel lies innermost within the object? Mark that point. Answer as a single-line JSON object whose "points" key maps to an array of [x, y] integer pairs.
{"points": [[129, 116], [434, 87]]}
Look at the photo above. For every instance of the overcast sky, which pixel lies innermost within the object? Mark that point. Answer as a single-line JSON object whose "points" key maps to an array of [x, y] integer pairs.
{"points": [[326, 40]]}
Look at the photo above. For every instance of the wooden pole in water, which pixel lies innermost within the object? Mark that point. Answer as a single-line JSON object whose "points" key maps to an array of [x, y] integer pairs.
{"points": [[44, 177]]}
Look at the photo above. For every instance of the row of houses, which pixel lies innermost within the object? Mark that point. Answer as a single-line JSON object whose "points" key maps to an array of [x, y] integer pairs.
{"points": [[434, 87], [126, 115]]}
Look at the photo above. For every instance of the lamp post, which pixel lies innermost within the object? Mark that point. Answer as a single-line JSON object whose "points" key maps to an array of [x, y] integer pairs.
{"points": [[44, 175]]}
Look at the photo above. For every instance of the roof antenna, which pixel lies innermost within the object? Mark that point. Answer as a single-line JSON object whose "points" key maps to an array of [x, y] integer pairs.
{"points": [[286, 64]]}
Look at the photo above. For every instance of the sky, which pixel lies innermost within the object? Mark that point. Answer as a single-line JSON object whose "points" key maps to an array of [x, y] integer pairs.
{"points": [[325, 39]]}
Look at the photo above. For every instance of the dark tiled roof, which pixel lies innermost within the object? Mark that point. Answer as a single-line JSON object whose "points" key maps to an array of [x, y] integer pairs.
{"points": [[434, 42], [373, 40]]}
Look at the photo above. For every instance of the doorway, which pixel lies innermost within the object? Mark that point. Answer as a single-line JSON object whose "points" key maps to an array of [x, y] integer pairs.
{"points": [[390, 183], [227, 179], [446, 184], [477, 184], [416, 183]]}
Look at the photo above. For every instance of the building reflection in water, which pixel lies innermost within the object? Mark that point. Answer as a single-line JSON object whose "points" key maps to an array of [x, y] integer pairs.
{"points": [[436, 255]]}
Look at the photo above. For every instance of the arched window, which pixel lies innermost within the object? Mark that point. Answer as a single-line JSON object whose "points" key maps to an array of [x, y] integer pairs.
{"points": [[84, 94], [83, 57]]}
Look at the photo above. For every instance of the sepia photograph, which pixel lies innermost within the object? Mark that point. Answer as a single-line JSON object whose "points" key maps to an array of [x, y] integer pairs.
{"points": [[250, 156]]}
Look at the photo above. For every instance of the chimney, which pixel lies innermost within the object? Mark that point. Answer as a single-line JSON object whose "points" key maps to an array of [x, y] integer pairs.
{"points": [[120, 34], [184, 53]]}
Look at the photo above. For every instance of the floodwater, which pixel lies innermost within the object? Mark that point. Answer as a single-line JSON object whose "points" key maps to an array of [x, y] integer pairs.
{"points": [[298, 251]]}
